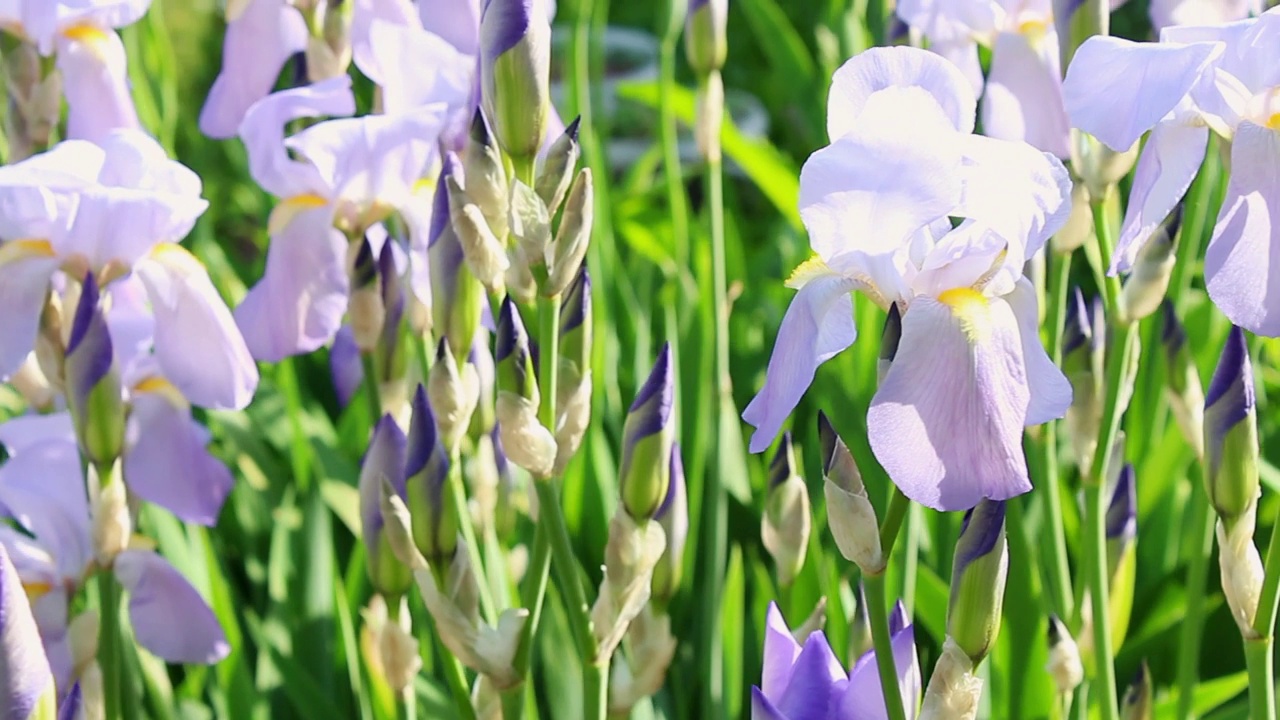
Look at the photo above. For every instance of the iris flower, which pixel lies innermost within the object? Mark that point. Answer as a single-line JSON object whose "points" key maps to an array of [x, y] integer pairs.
{"points": [[805, 681], [89, 55], [42, 492], [336, 179], [970, 372], [1224, 78], [1023, 98], [118, 210], [1165, 13]]}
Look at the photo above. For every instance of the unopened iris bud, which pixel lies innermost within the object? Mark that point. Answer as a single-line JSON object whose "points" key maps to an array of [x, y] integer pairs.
{"points": [[850, 515], [564, 256], [1083, 355], [709, 116], [673, 516], [486, 178], [1064, 664], [1079, 227], [1098, 166], [1121, 530], [328, 50], [112, 521], [457, 297], [391, 355], [92, 383], [453, 392], [531, 241], [786, 522], [1136, 703], [430, 494], [1231, 432], [383, 462], [1149, 280], [1182, 381], [574, 379], [526, 442], [485, 253], [977, 580], [647, 437], [889, 339], [515, 74], [558, 167], [365, 310], [706, 40]]}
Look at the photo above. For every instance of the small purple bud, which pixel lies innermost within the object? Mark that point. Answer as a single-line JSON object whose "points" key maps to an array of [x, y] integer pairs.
{"points": [[647, 437], [429, 491], [673, 515], [1231, 431], [1122, 513], [94, 395], [384, 461], [978, 577]]}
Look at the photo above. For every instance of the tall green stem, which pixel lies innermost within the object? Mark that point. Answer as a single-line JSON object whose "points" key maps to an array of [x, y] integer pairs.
{"points": [[877, 613], [1200, 523], [111, 645], [1261, 665], [1059, 574], [671, 147], [1264, 623]]}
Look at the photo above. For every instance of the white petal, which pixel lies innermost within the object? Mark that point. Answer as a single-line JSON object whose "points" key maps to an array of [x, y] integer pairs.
{"points": [[1024, 94], [1022, 194], [262, 131], [24, 283], [1167, 166], [95, 79], [1050, 389], [875, 69]]}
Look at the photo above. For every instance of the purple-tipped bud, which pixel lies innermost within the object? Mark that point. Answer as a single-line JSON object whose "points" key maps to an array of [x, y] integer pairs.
{"points": [[850, 516], [384, 461], [365, 310], [93, 387], [529, 444], [1122, 513], [673, 515], [429, 491], [1231, 431], [515, 70], [786, 523], [558, 167], [977, 580], [889, 339], [1137, 701], [26, 682], [1182, 380], [647, 437], [1121, 526], [457, 297], [392, 352], [706, 40], [1147, 283], [1083, 356], [513, 360], [1064, 664]]}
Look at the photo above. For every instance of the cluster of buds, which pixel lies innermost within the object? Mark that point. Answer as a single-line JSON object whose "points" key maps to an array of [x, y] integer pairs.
{"points": [[1231, 477], [377, 313], [978, 576]]}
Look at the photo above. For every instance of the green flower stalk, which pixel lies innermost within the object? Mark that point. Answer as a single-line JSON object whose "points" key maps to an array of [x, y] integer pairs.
{"points": [[428, 490], [558, 167], [1147, 284], [93, 390], [526, 442], [1122, 529], [850, 516], [648, 435], [978, 577], [786, 522], [1231, 433], [1182, 381]]}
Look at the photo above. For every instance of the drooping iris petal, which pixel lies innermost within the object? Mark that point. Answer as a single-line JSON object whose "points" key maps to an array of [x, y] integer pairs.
{"points": [[42, 488], [1242, 263], [24, 283], [166, 461], [257, 45], [1050, 390], [198, 345], [1117, 89], [1167, 166], [863, 697], [818, 324], [25, 431], [947, 421], [876, 69], [262, 131], [298, 304], [95, 80], [26, 684], [1023, 100], [415, 67], [780, 653], [812, 687], [169, 616]]}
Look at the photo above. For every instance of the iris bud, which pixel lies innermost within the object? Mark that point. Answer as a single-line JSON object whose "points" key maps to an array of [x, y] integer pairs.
{"points": [[558, 167], [515, 70], [395, 658], [112, 521], [485, 252], [564, 256], [1083, 356], [457, 297], [673, 516], [1136, 703], [1182, 381], [850, 516], [365, 310], [710, 116], [1121, 530], [526, 442], [1064, 657], [648, 435], [786, 522], [1149, 280], [860, 640], [1098, 166], [706, 35], [453, 392], [977, 580], [93, 390], [485, 176], [531, 241], [383, 462], [1231, 432], [574, 379], [430, 494]]}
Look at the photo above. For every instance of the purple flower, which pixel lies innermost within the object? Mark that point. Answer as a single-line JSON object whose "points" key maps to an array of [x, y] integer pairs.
{"points": [[969, 372], [1220, 78], [805, 681], [26, 683]]}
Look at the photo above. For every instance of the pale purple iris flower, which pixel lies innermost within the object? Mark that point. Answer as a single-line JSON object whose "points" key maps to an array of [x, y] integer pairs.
{"points": [[970, 372], [89, 55], [1023, 92], [1224, 78], [335, 179], [1166, 13], [42, 491], [118, 209], [26, 684], [805, 680]]}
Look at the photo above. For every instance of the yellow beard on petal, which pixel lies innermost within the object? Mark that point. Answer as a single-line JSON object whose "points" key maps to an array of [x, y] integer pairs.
{"points": [[808, 270], [971, 309], [16, 250], [288, 209], [1273, 122], [162, 387]]}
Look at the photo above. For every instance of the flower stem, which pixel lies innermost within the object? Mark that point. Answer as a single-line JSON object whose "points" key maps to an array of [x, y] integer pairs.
{"points": [[671, 147], [877, 613], [1200, 524], [454, 675], [892, 523], [111, 645], [1264, 623], [459, 496], [1262, 693], [596, 692], [1059, 575]]}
